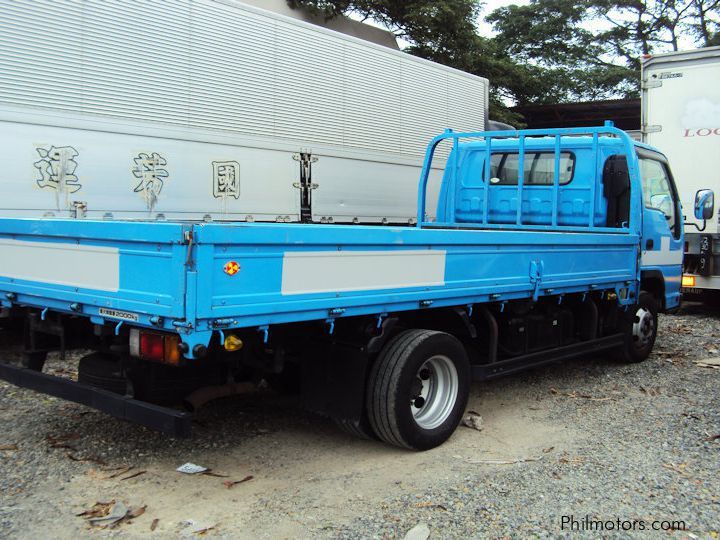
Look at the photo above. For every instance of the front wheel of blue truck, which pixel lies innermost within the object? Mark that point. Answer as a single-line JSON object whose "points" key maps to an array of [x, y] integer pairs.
{"points": [[641, 326], [418, 389]]}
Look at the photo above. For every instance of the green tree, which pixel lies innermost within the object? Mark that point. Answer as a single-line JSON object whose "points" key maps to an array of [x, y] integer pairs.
{"points": [[706, 21], [592, 49], [570, 63], [444, 30]]}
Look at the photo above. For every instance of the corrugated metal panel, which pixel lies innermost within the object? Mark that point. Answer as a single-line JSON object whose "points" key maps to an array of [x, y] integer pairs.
{"points": [[208, 82], [218, 65]]}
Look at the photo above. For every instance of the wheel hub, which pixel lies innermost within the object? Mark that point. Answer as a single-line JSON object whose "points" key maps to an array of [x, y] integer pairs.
{"points": [[434, 392], [643, 327]]}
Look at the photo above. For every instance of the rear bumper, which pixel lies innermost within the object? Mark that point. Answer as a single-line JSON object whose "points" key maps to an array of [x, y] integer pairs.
{"points": [[170, 421]]}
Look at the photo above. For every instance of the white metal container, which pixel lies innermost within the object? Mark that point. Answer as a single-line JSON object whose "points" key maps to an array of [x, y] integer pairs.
{"points": [[681, 117], [203, 109]]}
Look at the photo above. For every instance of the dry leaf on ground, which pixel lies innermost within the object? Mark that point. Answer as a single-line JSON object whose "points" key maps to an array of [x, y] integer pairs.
{"points": [[230, 483], [134, 475]]}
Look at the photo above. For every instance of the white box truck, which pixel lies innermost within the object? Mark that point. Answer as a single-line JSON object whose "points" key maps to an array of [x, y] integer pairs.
{"points": [[681, 117], [214, 110]]}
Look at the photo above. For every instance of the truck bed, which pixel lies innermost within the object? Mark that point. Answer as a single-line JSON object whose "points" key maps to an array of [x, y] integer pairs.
{"points": [[200, 278]]}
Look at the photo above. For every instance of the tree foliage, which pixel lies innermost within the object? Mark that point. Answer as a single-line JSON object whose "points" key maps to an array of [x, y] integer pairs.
{"points": [[548, 51]]}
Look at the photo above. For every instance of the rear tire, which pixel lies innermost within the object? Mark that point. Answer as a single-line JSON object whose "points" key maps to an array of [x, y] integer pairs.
{"points": [[418, 389], [102, 371], [169, 385], [641, 325]]}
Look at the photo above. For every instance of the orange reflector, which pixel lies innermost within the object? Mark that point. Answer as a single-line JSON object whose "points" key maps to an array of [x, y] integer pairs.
{"points": [[172, 353], [233, 343], [231, 268], [688, 281]]}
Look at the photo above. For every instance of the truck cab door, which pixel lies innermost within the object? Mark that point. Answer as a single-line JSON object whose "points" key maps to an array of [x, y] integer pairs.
{"points": [[662, 239]]}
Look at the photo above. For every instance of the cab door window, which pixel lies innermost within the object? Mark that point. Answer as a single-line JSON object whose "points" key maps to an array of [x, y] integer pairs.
{"points": [[657, 191]]}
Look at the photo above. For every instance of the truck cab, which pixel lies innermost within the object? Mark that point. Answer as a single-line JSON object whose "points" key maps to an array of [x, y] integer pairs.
{"points": [[594, 177], [662, 244]]}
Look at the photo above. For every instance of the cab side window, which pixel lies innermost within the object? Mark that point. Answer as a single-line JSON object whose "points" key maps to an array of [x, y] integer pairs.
{"points": [[539, 168], [657, 190]]}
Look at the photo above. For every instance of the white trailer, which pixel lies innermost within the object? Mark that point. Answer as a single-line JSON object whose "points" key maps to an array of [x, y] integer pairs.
{"points": [[681, 117], [213, 110]]}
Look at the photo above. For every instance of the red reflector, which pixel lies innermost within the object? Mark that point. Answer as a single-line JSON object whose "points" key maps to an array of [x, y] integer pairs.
{"points": [[152, 347]]}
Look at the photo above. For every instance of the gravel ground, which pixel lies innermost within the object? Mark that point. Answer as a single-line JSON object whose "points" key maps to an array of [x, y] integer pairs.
{"points": [[586, 438]]}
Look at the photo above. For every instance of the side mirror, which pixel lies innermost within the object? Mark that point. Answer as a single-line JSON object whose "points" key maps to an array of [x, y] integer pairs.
{"points": [[704, 204]]}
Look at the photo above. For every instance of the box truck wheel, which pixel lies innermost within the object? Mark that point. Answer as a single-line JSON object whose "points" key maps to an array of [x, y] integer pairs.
{"points": [[418, 389], [641, 326]]}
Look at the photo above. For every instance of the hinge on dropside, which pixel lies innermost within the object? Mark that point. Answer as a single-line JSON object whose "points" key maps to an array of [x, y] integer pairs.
{"points": [[305, 185], [536, 271], [189, 240]]}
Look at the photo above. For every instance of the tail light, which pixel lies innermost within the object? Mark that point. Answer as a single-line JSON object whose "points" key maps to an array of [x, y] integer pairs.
{"points": [[155, 346]]}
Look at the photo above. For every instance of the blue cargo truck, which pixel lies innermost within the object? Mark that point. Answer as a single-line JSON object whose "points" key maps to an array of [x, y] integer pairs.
{"points": [[544, 245]]}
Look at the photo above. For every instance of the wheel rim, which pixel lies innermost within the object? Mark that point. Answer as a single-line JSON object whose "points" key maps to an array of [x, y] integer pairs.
{"points": [[434, 392], [643, 327]]}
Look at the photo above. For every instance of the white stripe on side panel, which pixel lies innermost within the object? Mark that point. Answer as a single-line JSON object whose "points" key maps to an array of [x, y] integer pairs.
{"points": [[663, 256], [89, 267], [338, 271]]}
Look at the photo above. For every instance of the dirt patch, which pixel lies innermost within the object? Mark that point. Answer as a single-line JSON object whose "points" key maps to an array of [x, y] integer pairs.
{"points": [[590, 436]]}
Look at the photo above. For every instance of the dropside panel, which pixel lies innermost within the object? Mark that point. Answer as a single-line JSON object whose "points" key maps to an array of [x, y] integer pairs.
{"points": [[112, 271], [302, 272]]}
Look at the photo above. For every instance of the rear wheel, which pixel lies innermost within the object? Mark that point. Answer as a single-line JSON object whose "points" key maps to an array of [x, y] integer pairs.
{"points": [[641, 327], [166, 385], [418, 389], [146, 381], [102, 371]]}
